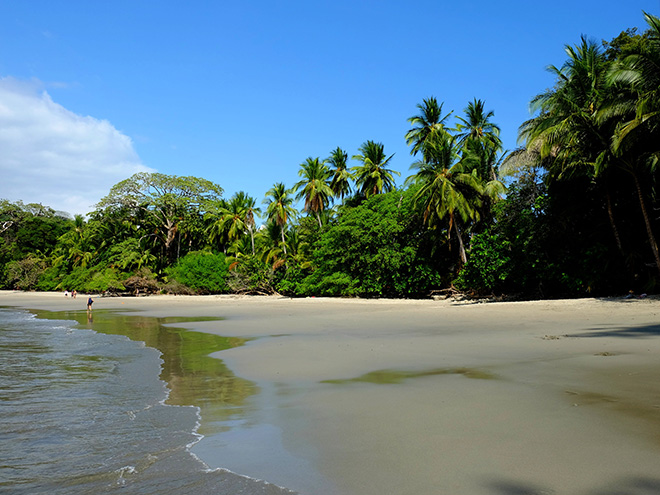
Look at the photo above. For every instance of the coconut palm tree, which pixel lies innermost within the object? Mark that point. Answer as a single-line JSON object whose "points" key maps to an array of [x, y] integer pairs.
{"points": [[481, 136], [341, 176], [234, 218], [478, 126], [251, 211], [231, 222], [447, 190], [372, 177], [279, 208], [636, 76], [429, 120], [314, 187], [571, 133]]}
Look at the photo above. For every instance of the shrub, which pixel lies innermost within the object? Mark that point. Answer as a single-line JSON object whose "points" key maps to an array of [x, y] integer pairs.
{"points": [[201, 271], [487, 267], [250, 275], [25, 273]]}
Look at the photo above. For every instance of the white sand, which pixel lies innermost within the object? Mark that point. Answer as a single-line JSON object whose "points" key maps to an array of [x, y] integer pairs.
{"points": [[508, 398]]}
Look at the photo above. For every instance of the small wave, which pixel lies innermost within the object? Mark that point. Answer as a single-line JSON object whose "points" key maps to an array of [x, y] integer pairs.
{"points": [[123, 471]]}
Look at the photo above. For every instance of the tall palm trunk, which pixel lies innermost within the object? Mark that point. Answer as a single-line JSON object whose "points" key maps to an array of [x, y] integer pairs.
{"points": [[647, 221], [461, 247], [251, 237], [283, 241], [610, 214]]}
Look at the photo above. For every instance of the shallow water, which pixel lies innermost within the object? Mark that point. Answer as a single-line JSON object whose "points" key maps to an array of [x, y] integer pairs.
{"points": [[87, 410]]}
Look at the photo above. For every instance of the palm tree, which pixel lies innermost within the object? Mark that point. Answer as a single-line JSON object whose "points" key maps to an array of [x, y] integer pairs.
{"points": [[570, 133], [270, 249], [372, 177], [447, 190], [477, 133], [429, 120], [215, 228], [234, 219], [638, 73], [314, 186], [637, 77], [250, 212], [341, 176], [279, 208]]}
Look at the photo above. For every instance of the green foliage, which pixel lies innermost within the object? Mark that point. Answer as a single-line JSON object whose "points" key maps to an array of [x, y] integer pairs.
{"points": [[82, 279], [129, 255], [373, 251], [24, 274], [314, 187], [49, 279], [26, 232], [488, 265], [250, 275], [40, 234], [289, 282], [170, 203], [203, 272], [372, 177], [108, 280]]}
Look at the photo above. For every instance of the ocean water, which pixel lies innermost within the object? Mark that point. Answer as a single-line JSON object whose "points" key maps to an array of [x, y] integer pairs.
{"points": [[88, 412]]}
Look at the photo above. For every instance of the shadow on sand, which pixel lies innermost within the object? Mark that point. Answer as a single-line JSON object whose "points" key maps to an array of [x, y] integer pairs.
{"points": [[643, 331], [627, 486]]}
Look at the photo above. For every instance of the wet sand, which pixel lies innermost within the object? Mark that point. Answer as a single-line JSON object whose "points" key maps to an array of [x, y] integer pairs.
{"points": [[413, 397]]}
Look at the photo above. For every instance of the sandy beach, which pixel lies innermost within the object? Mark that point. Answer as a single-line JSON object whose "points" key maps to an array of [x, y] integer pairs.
{"points": [[360, 397]]}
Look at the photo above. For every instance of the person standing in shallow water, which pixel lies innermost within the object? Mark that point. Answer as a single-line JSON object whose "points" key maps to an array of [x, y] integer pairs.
{"points": [[90, 301]]}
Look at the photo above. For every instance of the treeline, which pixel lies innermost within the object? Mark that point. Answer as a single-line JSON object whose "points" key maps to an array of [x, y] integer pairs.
{"points": [[578, 215]]}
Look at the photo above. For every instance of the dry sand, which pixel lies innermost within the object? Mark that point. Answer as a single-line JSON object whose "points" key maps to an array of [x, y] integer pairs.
{"points": [[424, 397]]}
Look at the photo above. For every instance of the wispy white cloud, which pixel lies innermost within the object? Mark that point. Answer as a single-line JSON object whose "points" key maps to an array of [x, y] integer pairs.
{"points": [[53, 156]]}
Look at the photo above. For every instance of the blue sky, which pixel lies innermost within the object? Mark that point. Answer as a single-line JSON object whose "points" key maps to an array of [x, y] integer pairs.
{"points": [[241, 93]]}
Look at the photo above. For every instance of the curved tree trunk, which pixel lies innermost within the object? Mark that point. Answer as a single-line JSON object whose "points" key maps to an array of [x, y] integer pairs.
{"points": [[283, 241], [610, 214], [647, 221], [461, 247]]}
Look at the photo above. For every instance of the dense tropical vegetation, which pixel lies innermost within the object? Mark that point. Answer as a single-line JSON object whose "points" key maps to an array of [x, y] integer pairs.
{"points": [[577, 215]]}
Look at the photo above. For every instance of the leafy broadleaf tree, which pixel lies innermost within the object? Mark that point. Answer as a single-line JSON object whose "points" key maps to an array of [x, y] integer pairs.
{"points": [[165, 199], [377, 249]]}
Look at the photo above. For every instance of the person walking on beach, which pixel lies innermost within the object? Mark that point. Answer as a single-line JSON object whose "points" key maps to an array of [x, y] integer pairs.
{"points": [[90, 301]]}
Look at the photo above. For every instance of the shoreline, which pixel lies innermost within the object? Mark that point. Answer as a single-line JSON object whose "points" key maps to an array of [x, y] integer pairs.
{"points": [[416, 396]]}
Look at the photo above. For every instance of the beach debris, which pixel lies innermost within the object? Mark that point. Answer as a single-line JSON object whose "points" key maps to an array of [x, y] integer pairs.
{"points": [[631, 295]]}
